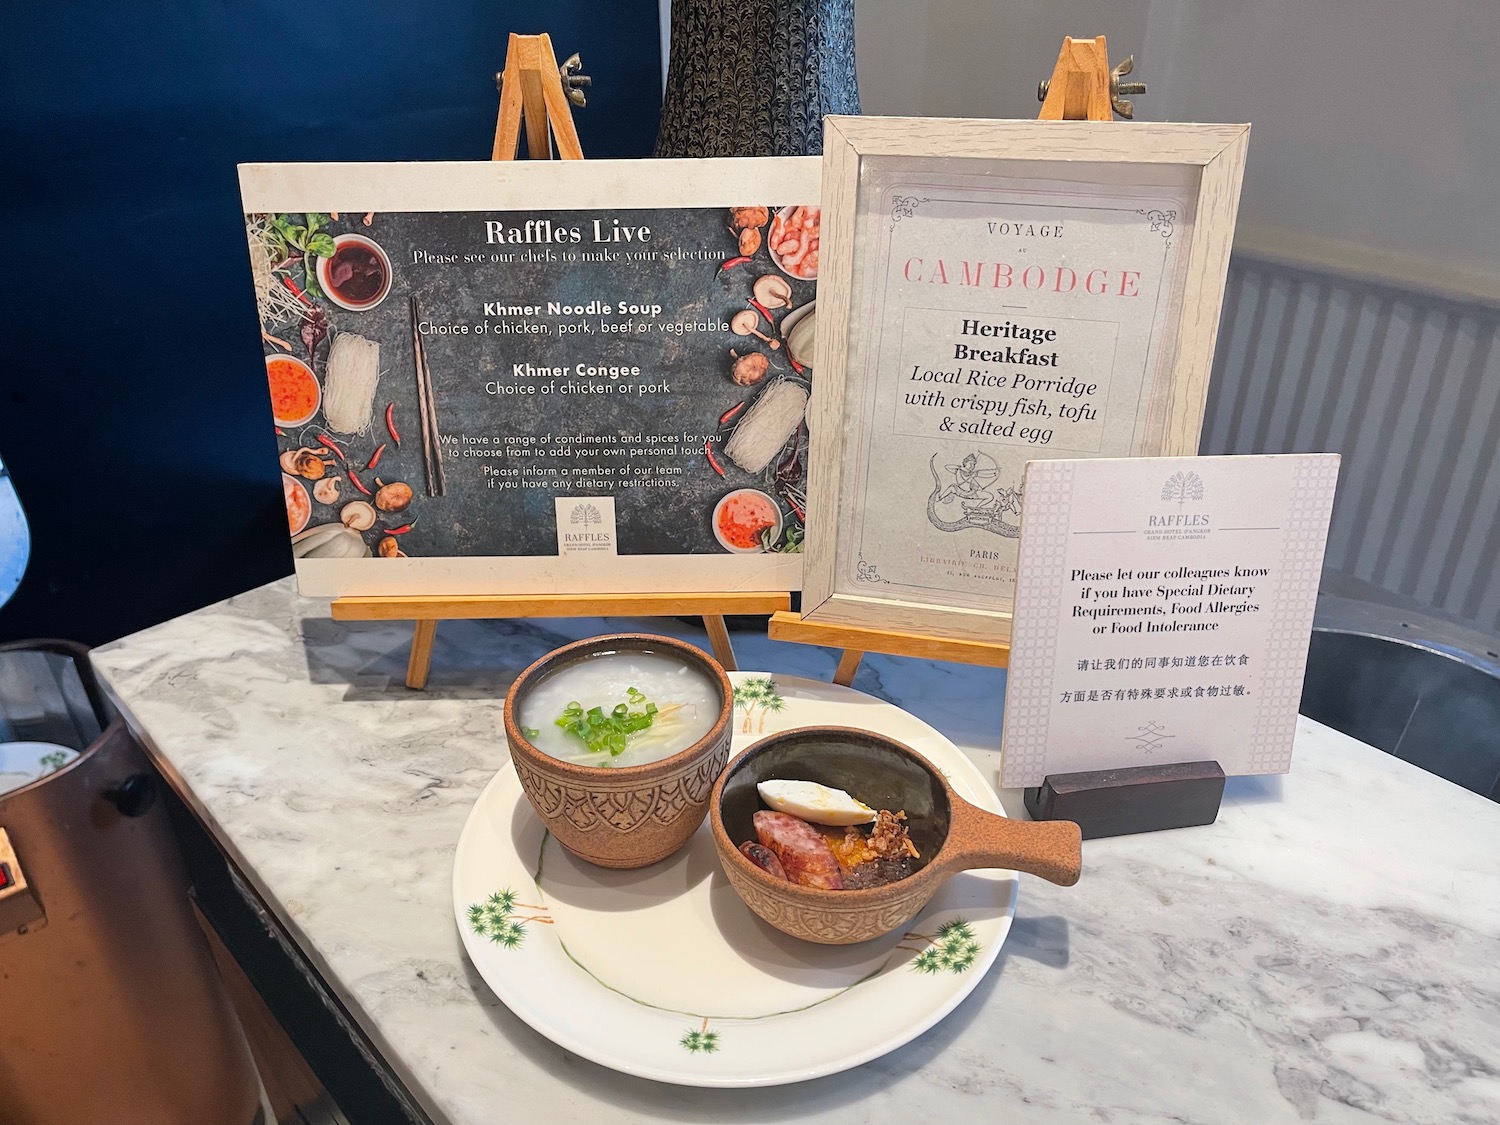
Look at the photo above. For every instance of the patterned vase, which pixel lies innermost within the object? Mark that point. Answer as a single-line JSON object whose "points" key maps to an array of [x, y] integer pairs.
{"points": [[755, 79]]}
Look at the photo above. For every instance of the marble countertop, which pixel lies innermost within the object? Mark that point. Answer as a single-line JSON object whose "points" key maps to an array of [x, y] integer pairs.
{"points": [[1326, 952]]}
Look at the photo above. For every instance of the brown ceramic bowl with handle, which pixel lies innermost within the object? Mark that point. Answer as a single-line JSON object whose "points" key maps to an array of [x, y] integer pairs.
{"points": [[951, 834], [626, 816]]}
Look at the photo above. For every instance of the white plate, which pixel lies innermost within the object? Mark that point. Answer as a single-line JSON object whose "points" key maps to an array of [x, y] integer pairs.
{"points": [[21, 763], [664, 973]]}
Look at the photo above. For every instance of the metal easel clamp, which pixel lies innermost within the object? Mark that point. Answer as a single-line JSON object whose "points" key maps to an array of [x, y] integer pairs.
{"points": [[570, 73]]}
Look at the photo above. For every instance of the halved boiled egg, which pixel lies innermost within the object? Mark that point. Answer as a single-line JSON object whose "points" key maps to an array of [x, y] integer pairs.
{"points": [[814, 803]]}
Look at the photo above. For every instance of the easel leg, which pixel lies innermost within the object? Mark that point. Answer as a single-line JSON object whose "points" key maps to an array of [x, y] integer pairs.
{"points": [[508, 125], [534, 105], [848, 665], [718, 639], [420, 661]]}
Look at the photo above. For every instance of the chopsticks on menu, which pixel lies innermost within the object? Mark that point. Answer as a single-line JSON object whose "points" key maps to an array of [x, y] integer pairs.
{"points": [[432, 458]]}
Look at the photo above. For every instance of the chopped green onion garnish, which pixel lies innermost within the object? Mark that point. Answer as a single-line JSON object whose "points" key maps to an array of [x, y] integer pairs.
{"points": [[610, 732]]}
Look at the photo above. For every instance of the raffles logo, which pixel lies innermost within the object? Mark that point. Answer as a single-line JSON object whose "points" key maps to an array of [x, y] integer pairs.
{"points": [[1183, 487], [585, 514], [586, 525], [1183, 523]]}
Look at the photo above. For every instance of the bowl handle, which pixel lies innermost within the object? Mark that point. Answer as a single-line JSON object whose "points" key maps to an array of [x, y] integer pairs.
{"points": [[1050, 849]]}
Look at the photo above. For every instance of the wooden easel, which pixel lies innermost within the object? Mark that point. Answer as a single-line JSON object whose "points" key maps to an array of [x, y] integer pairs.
{"points": [[1082, 88], [532, 87]]}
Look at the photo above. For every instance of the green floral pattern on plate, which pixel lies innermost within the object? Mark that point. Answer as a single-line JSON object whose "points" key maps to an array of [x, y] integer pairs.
{"points": [[502, 918], [757, 695], [700, 1041], [954, 950]]}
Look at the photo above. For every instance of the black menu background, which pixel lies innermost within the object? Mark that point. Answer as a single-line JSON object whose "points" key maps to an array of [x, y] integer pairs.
{"points": [[473, 518]]}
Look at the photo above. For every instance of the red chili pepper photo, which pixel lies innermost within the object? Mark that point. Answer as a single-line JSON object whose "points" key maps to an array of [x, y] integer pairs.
{"points": [[731, 412], [297, 292], [708, 451], [357, 483], [376, 456], [327, 442], [402, 530], [390, 424], [732, 262]]}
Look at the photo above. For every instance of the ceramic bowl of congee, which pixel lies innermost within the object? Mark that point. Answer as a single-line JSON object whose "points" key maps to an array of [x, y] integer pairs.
{"points": [[618, 741]]}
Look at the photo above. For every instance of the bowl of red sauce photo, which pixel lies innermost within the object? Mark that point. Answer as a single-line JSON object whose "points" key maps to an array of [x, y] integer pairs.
{"points": [[357, 275], [295, 394], [742, 518]]}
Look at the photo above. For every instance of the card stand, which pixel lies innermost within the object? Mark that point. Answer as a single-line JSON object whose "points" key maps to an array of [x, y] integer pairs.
{"points": [[428, 611], [1125, 801]]}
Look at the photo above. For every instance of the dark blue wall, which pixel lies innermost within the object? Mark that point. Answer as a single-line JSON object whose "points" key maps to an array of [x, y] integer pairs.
{"points": [[133, 410]]}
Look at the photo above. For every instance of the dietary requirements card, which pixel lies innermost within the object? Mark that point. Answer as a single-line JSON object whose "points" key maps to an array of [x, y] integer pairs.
{"points": [[1163, 612]]}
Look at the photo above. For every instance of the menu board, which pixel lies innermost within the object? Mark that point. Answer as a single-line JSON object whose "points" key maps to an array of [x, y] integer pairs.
{"points": [[538, 377]]}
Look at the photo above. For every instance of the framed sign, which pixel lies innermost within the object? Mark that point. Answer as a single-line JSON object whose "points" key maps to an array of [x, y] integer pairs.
{"points": [[539, 377], [997, 292]]}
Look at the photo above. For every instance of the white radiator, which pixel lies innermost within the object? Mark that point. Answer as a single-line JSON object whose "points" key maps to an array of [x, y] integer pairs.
{"points": [[1407, 388]]}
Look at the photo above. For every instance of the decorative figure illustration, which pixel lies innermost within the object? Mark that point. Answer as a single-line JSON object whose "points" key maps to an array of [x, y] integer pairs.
{"points": [[969, 498]]}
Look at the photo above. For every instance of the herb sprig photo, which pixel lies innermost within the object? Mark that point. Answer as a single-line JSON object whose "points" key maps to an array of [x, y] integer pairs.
{"points": [[308, 239]]}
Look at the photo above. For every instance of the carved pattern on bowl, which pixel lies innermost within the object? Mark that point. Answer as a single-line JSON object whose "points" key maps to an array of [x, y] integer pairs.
{"points": [[625, 807], [828, 924]]}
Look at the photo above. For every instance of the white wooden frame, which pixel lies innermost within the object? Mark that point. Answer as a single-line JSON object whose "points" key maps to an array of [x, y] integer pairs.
{"points": [[1217, 152]]}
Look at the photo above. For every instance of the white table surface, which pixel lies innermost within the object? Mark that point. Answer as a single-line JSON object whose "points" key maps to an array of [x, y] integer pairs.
{"points": [[1328, 951]]}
